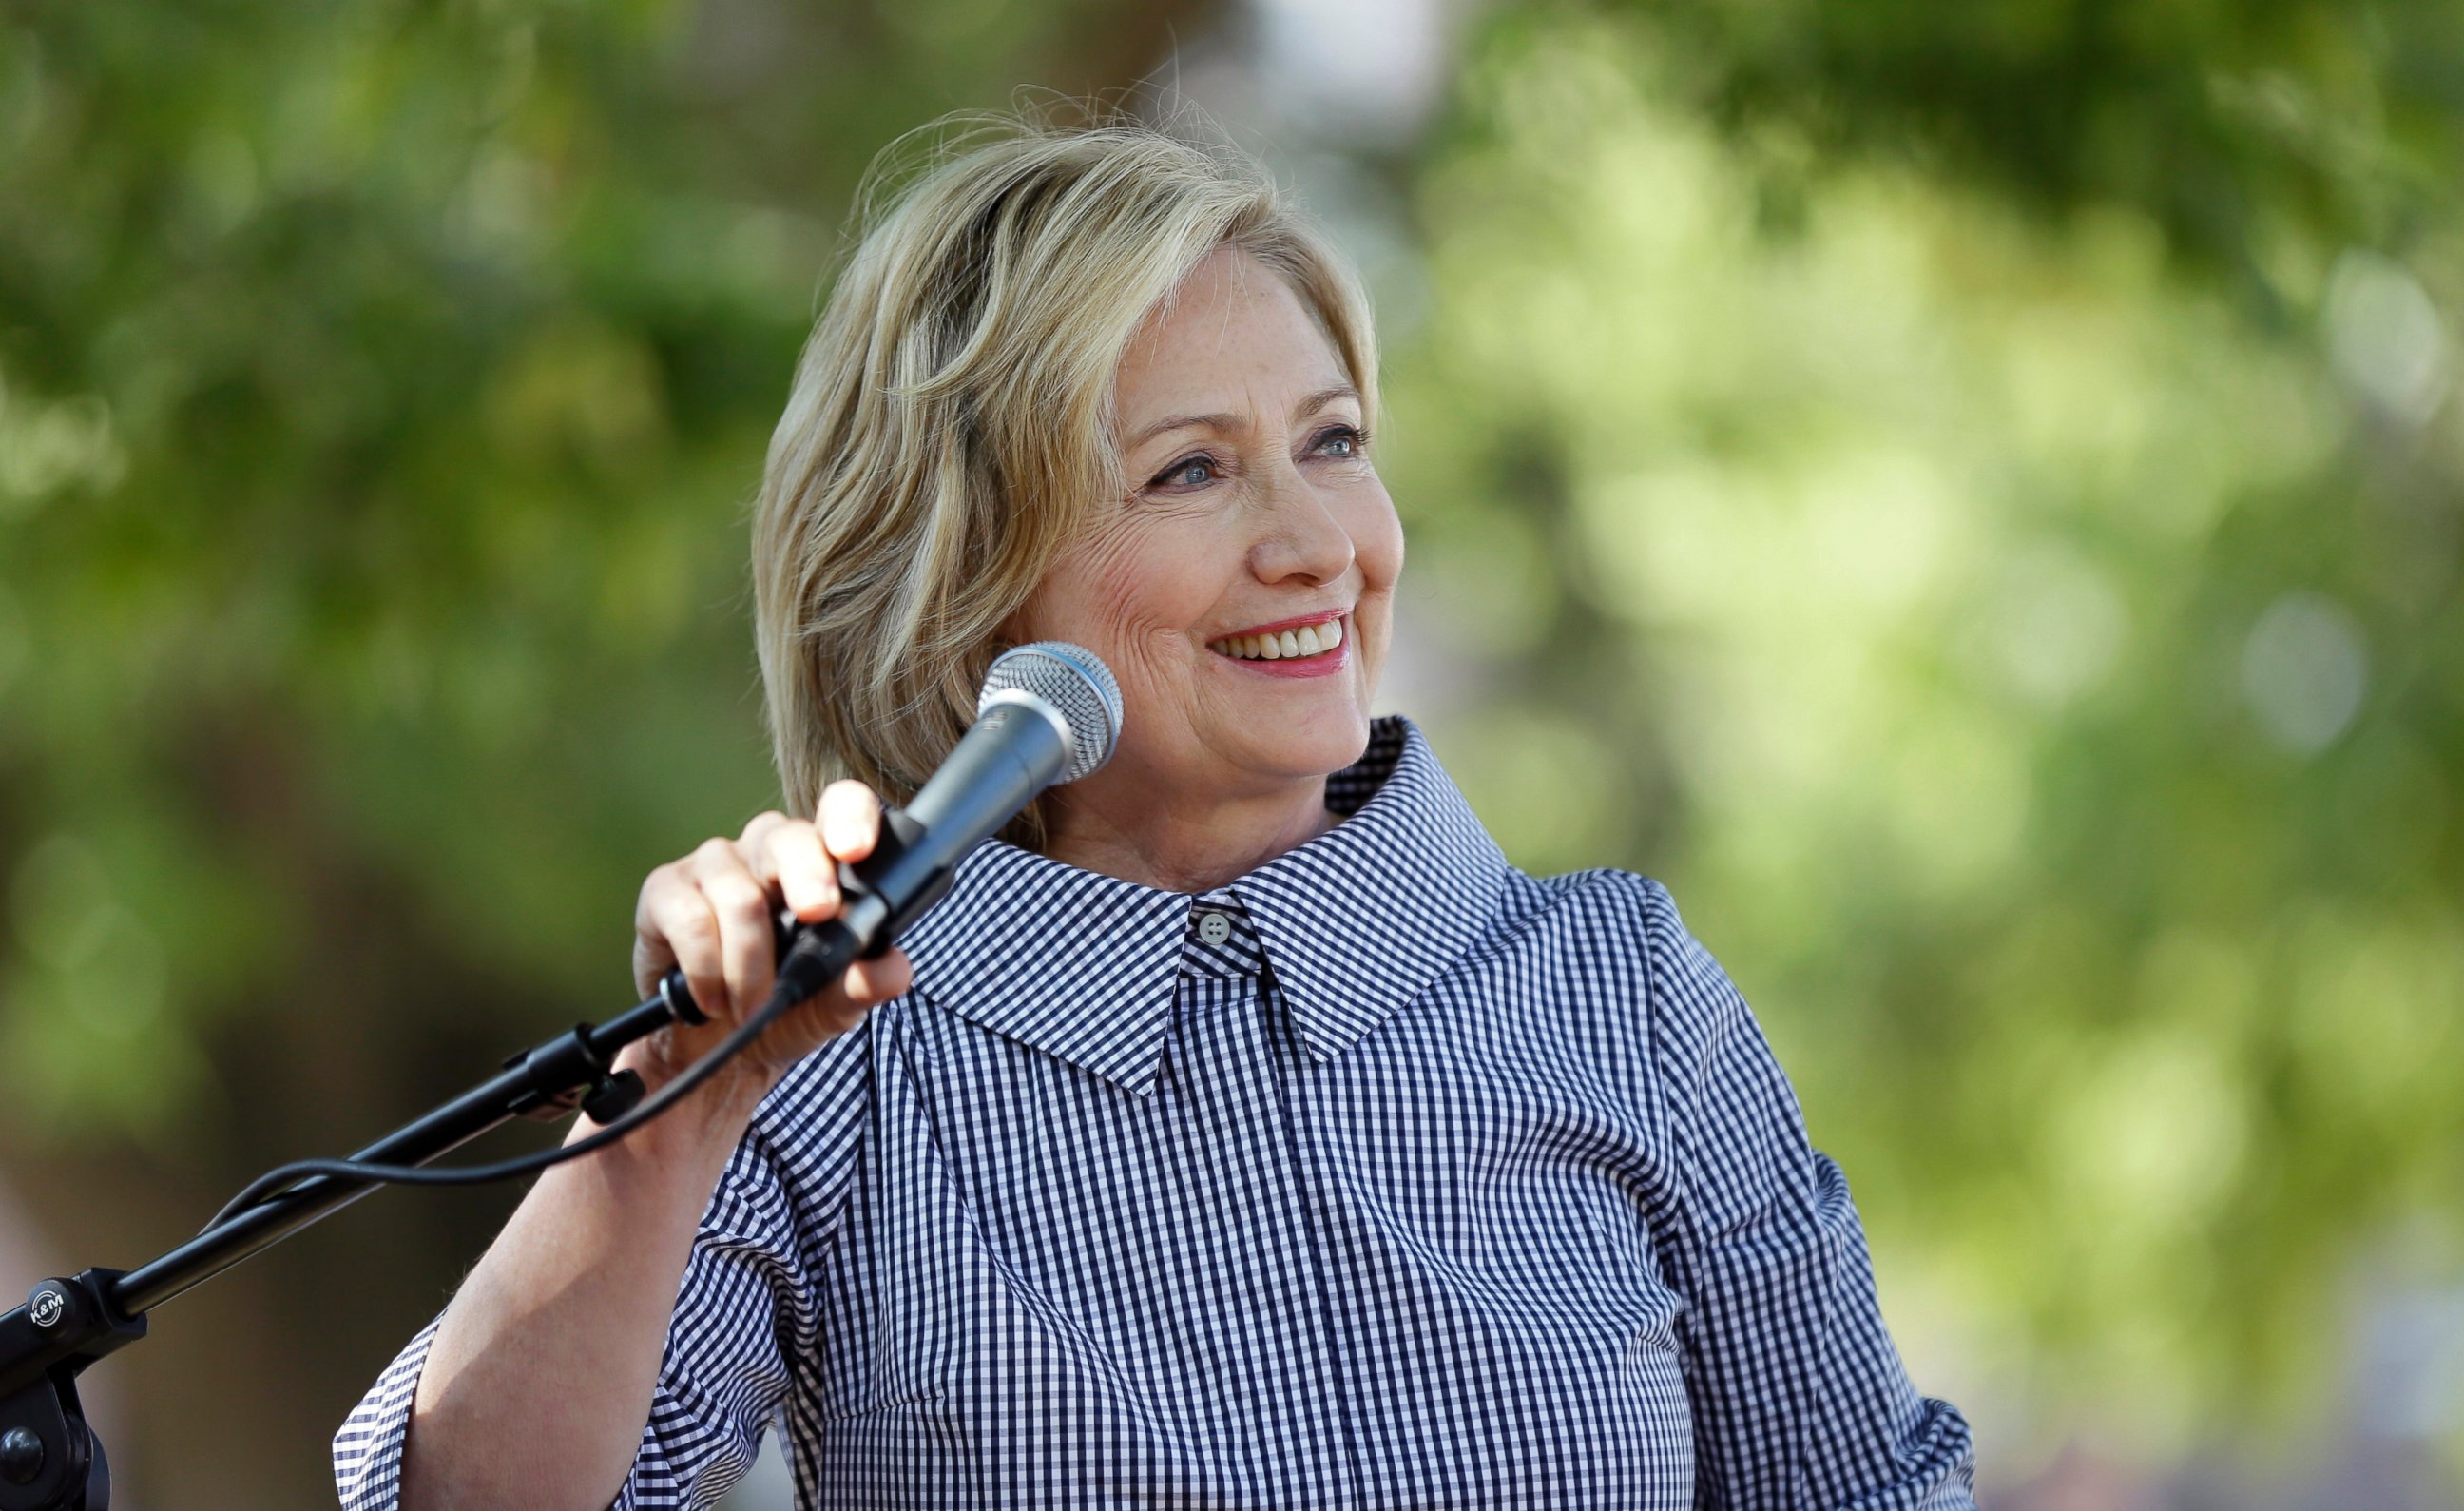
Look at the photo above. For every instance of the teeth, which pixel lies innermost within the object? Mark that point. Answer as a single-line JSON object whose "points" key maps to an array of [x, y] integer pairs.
{"points": [[1307, 640]]}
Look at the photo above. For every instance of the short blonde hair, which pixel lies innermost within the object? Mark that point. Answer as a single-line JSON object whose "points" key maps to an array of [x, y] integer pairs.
{"points": [[951, 427]]}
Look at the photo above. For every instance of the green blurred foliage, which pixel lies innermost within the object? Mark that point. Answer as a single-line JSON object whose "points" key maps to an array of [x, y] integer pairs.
{"points": [[2247, 130], [2025, 638], [380, 388]]}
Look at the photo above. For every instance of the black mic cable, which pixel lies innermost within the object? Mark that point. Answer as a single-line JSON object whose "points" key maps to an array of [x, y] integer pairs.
{"points": [[1049, 712]]}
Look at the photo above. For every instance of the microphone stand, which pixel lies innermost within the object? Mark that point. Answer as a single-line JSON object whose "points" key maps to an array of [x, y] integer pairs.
{"points": [[51, 1460], [50, 1457]]}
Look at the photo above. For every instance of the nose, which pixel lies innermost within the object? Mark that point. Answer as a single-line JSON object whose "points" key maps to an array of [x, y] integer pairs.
{"points": [[1301, 537]]}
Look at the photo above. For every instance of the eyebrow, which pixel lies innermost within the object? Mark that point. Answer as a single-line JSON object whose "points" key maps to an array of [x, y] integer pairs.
{"points": [[1226, 422]]}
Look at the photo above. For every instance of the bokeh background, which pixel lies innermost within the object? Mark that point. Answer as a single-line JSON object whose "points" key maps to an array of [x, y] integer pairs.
{"points": [[1968, 493]]}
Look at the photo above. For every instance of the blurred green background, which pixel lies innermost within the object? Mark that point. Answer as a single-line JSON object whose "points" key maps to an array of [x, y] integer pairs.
{"points": [[1968, 493]]}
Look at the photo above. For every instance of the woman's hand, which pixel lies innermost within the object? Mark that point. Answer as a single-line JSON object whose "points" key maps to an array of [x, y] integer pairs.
{"points": [[579, 1286], [709, 913]]}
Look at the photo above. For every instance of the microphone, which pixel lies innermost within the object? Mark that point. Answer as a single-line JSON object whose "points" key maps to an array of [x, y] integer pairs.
{"points": [[1049, 712]]}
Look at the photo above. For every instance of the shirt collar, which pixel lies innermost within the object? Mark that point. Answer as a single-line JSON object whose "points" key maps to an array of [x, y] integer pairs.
{"points": [[1085, 966]]}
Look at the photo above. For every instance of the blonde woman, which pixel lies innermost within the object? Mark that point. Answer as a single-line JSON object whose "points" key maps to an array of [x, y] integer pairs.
{"points": [[1242, 1130]]}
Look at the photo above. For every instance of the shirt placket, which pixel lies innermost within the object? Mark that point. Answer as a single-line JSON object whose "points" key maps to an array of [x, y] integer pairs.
{"points": [[1232, 1004], [1229, 1052]]}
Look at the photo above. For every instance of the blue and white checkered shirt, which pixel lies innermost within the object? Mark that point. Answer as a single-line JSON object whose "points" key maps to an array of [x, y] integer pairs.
{"points": [[1386, 1175]]}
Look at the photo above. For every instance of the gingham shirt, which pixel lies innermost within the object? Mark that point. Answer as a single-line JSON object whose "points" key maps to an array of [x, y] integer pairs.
{"points": [[1385, 1175]]}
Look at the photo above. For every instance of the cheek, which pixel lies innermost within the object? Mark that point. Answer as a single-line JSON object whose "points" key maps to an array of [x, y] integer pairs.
{"points": [[1133, 590], [1376, 534], [1377, 545], [1381, 545]]}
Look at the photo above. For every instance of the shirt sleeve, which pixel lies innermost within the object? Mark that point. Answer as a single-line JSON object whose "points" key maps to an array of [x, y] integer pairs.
{"points": [[1798, 1396], [740, 1313], [367, 1450], [745, 1306]]}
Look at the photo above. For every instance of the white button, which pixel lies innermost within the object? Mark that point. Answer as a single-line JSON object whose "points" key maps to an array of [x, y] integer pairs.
{"points": [[1214, 927]]}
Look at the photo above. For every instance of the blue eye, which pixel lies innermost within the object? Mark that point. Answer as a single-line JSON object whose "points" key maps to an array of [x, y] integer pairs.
{"points": [[1179, 472], [1350, 437]]}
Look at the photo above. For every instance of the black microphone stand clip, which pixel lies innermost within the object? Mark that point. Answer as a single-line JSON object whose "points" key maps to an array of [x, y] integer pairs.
{"points": [[48, 1455]]}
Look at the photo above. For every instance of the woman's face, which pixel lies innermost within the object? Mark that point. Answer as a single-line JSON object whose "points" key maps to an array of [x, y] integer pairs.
{"points": [[1253, 508]]}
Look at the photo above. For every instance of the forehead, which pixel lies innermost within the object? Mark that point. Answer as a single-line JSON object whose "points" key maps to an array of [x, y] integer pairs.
{"points": [[1236, 332]]}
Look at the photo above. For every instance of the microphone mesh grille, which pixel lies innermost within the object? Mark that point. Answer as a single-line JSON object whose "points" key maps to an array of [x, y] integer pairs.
{"points": [[1076, 682]]}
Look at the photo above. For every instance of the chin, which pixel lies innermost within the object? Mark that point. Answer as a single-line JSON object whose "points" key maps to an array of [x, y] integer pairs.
{"points": [[1329, 747]]}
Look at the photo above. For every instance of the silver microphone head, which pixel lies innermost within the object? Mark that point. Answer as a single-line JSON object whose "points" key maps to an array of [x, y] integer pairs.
{"points": [[1076, 684]]}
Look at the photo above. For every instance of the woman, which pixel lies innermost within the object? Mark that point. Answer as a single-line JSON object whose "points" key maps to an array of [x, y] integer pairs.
{"points": [[1242, 1129]]}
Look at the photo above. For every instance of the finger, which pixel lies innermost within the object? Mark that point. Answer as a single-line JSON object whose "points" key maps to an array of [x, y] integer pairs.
{"points": [[759, 826], [876, 981], [675, 920], [651, 958], [753, 847], [850, 819], [748, 943], [793, 858]]}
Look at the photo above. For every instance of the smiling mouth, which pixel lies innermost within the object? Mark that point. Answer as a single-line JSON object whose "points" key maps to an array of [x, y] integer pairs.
{"points": [[1285, 645]]}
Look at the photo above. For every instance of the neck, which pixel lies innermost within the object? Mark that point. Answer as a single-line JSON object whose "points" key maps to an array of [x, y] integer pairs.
{"points": [[1180, 848]]}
